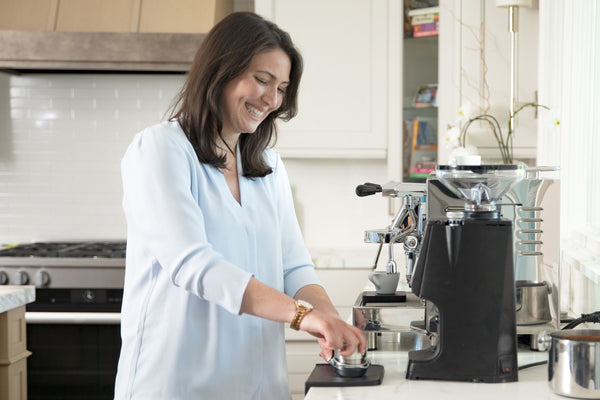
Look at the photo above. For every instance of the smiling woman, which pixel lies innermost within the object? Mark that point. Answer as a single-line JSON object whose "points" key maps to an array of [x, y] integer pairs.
{"points": [[216, 262], [213, 69]]}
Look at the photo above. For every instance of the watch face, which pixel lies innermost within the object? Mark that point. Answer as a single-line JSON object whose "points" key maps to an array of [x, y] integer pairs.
{"points": [[305, 304]]}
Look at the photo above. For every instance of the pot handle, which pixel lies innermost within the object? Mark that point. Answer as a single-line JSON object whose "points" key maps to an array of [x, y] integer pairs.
{"points": [[593, 317]]}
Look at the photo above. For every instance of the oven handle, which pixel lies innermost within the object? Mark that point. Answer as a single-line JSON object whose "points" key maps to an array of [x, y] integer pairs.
{"points": [[73, 318]]}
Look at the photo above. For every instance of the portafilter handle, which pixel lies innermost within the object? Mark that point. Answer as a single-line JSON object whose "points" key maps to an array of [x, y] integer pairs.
{"points": [[367, 189]]}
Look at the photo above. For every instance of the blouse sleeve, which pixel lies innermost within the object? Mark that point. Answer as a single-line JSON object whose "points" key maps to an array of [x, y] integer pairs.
{"points": [[157, 171], [298, 267]]}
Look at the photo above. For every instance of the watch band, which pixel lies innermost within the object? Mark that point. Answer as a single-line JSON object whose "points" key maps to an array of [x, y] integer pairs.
{"points": [[301, 311]]}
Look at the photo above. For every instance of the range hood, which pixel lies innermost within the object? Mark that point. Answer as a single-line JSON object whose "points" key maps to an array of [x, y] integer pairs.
{"points": [[23, 51]]}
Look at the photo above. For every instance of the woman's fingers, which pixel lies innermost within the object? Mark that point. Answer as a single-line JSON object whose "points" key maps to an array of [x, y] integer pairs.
{"points": [[333, 334]]}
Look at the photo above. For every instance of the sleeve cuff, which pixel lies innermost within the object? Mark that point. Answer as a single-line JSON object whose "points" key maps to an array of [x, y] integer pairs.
{"points": [[298, 278], [225, 284]]}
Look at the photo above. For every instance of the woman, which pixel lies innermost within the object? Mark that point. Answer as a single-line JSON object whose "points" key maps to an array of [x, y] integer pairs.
{"points": [[215, 258]]}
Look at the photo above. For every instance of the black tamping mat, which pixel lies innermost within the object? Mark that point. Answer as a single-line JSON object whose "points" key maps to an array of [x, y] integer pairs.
{"points": [[324, 375]]}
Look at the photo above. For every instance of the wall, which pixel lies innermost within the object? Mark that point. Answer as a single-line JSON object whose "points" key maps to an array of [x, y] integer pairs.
{"points": [[475, 48], [61, 140]]}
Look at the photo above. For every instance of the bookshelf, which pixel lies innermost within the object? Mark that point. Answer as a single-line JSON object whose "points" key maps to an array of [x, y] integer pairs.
{"points": [[420, 77]]}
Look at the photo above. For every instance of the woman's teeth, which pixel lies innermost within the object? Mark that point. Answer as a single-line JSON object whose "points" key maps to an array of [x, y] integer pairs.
{"points": [[254, 111]]}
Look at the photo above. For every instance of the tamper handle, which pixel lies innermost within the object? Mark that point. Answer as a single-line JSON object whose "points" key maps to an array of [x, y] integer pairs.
{"points": [[367, 189]]}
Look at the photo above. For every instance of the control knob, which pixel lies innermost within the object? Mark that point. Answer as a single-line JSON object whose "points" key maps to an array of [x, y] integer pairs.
{"points": [[21, 278], [42, 278], [3, 278]]}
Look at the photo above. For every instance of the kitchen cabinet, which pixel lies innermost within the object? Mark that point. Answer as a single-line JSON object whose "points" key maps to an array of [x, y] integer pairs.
{"points": [[13, 341], [350, 83], [95, 16], [143, 16], [105, 35], [27, 15]]}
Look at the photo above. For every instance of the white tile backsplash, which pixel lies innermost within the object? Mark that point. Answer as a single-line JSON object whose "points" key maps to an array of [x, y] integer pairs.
{"points": [[62, 137], [61, 146]]}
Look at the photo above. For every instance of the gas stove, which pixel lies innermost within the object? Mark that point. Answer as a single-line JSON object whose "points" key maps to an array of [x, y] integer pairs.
{"points": [[69, 264]]}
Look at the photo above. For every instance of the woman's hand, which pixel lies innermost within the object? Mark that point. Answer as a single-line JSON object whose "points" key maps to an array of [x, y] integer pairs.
{"points": [[323, 321], [333, 334]]}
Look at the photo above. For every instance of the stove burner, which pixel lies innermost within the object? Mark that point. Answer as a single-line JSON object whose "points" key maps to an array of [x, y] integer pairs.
{"points": [[68, 250]]}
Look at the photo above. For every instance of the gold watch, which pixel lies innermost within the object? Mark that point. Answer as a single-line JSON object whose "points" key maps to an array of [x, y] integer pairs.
{"points": [[302, 308]]}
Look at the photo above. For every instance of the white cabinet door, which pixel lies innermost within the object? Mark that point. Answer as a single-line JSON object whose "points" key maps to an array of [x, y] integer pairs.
{"points": [[345, 95]]}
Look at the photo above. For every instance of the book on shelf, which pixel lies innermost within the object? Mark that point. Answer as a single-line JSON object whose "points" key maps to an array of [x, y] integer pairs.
{"points": [[424, 146], [426, 96], [422, 169], [425, 21], [425, 30], [424, 133]]}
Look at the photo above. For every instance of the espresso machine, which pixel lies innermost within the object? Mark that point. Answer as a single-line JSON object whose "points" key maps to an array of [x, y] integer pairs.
{"points": [[465, 275], [386, 319]]}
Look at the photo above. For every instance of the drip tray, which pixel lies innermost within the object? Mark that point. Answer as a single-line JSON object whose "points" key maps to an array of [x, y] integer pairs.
{"points": [[324, 375], [373, 297]]}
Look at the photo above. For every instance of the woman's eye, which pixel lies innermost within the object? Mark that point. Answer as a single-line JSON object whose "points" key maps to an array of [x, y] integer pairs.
{"points": [[282, 90], [262, 82]]}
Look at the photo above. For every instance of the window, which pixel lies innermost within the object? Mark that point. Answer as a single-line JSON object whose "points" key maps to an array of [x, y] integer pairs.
{"points": [[570, 82]]}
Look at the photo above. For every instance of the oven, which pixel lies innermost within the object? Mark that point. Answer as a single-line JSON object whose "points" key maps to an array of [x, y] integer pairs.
{"points": [[73, 327]]}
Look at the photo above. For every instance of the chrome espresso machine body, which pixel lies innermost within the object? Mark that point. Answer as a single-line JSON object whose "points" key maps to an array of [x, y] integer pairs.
{"points": [[386, 318]]}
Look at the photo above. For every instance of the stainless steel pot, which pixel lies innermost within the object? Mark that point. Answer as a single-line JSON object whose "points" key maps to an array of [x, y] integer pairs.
{"points": [[574, 363], [532, 303]]}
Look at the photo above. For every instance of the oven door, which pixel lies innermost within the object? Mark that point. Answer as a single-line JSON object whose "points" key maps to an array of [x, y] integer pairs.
{"points": [[74, 337]]}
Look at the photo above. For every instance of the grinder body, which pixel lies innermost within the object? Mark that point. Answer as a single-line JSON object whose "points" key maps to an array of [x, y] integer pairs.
{"points": [[466, 270]]}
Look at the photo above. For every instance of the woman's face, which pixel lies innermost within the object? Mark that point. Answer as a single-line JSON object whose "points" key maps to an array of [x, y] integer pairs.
{"points": [[259, 90]]}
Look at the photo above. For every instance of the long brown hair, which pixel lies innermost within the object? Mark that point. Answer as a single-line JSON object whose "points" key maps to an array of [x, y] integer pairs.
{"points": [[224, 54]]}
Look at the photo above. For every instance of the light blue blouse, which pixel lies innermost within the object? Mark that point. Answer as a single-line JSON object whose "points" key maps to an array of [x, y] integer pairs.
{"points": [[191, 250]]}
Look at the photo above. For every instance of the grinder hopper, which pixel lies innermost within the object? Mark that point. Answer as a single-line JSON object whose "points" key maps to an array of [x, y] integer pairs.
{"points": [[481, 186]]}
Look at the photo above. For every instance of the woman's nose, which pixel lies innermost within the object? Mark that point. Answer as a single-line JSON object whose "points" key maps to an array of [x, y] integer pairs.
{"points": [[271, 97]]}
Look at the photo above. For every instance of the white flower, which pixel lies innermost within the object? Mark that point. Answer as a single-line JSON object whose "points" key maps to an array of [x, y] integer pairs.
{"points": [[451, 137], [466, 112], [552, 118]]}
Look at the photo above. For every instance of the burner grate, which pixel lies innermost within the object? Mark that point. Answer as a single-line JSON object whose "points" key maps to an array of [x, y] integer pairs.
{"points": [[113, 249]]}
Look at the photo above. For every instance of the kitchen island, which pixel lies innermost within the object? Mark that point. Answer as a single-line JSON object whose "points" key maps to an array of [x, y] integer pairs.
{"points": [[13, 341], [532, 384]]}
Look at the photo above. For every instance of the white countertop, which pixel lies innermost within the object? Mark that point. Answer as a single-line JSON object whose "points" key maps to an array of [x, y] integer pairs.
{"points": [[15, 296], [532, 384]]}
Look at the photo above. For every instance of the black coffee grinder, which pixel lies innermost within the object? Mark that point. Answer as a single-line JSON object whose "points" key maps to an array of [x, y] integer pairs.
{"points": [[465, 275]]}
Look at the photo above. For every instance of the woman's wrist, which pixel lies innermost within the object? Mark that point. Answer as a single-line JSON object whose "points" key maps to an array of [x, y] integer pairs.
{"points": [[302, 309]]}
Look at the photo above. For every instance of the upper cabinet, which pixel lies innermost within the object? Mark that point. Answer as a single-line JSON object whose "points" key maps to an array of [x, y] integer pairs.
{"points": [[157, 16], [350, 87], [105, 35]]}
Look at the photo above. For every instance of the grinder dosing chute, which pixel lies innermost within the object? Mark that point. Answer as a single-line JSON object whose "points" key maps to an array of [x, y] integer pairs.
{"points": [[465, 272]]}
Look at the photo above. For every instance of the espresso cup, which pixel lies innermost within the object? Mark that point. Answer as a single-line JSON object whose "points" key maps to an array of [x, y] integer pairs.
{"points": [[385, 283]]}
